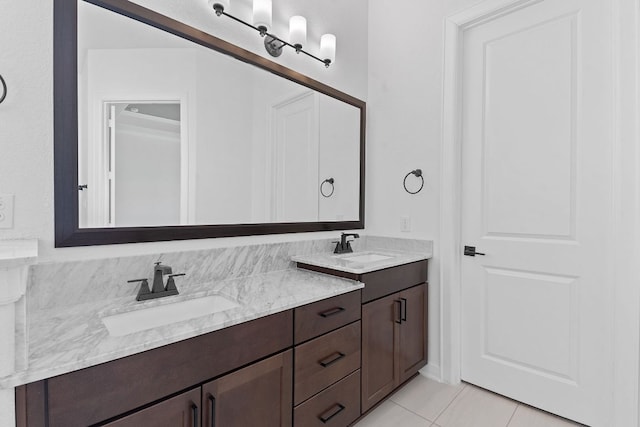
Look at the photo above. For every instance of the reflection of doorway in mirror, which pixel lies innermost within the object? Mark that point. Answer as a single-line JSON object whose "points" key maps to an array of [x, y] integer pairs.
{"points": [[138, 167], [294, 165]]}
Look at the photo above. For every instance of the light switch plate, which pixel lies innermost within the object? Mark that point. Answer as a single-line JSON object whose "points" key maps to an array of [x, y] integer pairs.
{"points": [[405, 224], [6, 210]]}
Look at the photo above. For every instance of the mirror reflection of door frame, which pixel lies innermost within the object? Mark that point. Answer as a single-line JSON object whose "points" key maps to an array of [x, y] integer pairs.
{"points": [[275, 170], [100, 211]]}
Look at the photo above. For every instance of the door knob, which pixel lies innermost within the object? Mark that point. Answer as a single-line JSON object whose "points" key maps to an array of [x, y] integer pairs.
{"points": [[471, 251]]}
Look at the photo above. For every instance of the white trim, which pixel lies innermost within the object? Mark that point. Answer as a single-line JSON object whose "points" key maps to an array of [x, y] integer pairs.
{"points": [[432, 371], [625, 239], [626, 210]]}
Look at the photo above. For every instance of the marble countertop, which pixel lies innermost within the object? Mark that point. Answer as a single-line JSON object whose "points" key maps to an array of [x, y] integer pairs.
{"points": [[65, 340], [343, 263], [17, 253]]}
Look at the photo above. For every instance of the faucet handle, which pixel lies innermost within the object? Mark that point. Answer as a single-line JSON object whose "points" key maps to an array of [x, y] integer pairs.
{"points": [[171, 284], [144, 287]]}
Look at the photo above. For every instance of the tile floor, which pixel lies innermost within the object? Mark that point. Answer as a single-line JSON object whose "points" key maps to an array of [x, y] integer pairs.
{"points": [[427, 403]]}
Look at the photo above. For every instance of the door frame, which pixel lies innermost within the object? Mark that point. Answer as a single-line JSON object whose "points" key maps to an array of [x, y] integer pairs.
{"points": [[623, 297]]}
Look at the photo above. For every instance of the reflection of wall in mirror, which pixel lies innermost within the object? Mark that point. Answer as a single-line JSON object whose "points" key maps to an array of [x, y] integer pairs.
{"points": [[339, 159]]}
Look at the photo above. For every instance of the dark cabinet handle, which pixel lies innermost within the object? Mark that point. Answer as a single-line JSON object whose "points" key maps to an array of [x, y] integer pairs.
{"points": [[212, 412], [332, 412], [403, 309], [332, 359], [194, 410], [399, 319], [331, 312]]}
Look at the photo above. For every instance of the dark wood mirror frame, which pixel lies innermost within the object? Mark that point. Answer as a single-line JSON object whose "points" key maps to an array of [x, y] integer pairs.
{"points": [[65, 91]]}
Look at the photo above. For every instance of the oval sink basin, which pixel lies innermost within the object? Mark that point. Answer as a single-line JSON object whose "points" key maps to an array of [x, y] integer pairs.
{"points": [[365, 258], [147, 318]]}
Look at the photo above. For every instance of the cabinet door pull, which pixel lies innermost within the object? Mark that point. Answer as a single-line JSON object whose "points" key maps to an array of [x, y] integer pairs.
{"points": [[332, 412], [331, 312], [212, 410], [194, 410], [399, 310], [332, 359], [403, 309]]}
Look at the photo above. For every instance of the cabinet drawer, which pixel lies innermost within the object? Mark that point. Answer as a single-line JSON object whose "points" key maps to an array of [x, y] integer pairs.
{"points": [[339, 405], [391, 280], [325, 360], [323, 316]]}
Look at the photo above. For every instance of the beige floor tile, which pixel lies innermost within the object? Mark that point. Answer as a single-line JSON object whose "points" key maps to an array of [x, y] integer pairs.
{"points": [[475, 407], [526, 416], [426, 397], [389, 414]]}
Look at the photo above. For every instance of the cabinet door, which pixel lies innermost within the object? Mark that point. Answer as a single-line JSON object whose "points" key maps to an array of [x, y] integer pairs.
{"points": [[413, 331], [258, 395], [379, 342], [179, 411]]}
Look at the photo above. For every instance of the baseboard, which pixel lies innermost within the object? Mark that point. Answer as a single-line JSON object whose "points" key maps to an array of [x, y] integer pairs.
{"points": [[432, 371]]}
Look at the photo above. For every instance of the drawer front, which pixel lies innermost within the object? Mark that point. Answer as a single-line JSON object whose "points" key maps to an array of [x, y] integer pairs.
{"points": [[337, 406], [315, 319], [325, 360], [378, 284]]}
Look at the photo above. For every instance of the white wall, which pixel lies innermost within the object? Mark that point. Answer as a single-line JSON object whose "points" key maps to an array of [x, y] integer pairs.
{"points": [[26, 116], [404, 127]]}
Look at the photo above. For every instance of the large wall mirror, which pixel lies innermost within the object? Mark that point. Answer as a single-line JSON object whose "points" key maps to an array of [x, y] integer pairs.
{"points": [[163, 132]]}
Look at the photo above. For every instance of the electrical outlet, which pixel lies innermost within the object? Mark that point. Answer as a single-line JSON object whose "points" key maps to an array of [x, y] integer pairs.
{"points": [[6, 210], [405, 224]]}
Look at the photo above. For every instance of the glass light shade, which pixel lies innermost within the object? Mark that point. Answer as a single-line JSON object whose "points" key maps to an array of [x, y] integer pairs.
{"points": [[223, 3], [262, 14], [328, 47], [298, 30]]}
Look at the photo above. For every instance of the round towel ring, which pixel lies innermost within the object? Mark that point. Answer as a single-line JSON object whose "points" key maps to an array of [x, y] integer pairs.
{"points": [[4, 89], [418, 174], [333, 188]]}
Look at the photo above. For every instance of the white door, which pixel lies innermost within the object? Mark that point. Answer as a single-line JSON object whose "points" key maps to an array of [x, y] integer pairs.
{"points": [[295, 162], [536, 199]]}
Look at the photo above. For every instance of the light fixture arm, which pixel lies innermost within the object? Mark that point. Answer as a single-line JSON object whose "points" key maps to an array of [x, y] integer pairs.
{"points": [[273, 49]]}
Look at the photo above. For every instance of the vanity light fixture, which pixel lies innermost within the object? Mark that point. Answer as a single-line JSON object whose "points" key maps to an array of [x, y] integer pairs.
{"points": [[273, 44]]}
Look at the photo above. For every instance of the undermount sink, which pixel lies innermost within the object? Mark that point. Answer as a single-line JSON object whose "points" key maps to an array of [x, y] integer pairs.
{"points": [[365, 257], [147, 318]]}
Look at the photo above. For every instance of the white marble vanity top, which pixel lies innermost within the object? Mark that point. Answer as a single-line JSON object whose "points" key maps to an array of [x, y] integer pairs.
{"points": [[378, 259], [62, 340], [16, 253]]}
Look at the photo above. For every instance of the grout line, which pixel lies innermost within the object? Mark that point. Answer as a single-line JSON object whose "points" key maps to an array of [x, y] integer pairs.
{"points": [[464, 386], [414, 413], [512, 415]]}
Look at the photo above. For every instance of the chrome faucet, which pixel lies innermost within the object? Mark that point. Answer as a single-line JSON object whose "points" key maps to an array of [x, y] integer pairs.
{"points": [[344, 245], [158, 289]]}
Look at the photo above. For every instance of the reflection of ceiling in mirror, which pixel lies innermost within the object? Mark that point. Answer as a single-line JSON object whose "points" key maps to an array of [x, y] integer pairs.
{"points": [[164, 111]]}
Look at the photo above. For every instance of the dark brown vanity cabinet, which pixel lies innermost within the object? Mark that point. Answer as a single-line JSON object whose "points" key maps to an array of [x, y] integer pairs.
{"points": [[394, 326], [394, 347], [252, 359], [182, 410], [258, 395]]}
